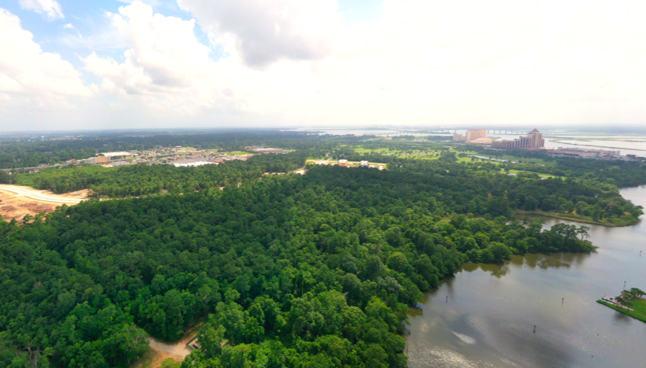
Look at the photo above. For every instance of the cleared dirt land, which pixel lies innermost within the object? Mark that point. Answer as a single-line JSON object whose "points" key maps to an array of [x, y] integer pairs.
{"points": [[159, 351], [17, 201]]}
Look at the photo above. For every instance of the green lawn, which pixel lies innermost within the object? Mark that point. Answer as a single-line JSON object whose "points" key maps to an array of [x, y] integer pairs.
{"points": [[361, 150], [524, 160], [610, 222], [238, 153], [531, 172], [639, 306], [417, 152]]}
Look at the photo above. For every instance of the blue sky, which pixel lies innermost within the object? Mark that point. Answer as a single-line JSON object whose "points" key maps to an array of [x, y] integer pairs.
{"points": [[90, 22], [88, 17], [281, 63]]}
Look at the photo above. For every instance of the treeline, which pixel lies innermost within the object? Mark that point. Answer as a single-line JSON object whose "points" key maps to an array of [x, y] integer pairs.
{"points": [[137, 180], [21, 153], [30, 152], [485, 190], [292, 271], [616, 172]]}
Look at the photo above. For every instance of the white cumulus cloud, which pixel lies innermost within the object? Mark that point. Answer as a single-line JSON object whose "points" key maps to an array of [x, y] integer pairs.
{"points": [[164, 55], [422, 62], [26, 69], [269, 30], [50, 9], [165, 67]]}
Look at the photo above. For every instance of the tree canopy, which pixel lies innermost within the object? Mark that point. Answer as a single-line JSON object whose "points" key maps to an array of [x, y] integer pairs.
{"points": [[293, 271]]}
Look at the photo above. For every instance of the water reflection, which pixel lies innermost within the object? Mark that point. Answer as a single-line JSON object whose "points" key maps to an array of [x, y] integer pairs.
{"points": [[495, 270], [488, 318], [560, 260]]}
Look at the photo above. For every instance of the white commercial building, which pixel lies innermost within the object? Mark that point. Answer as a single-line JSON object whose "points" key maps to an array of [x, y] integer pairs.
{"points": [[193, 164], [117, 154]]}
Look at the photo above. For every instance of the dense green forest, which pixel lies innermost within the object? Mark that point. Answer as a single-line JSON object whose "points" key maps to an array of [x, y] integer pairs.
{"points": [[283, 271], [591, 197], [619, 173], [310, 271]]}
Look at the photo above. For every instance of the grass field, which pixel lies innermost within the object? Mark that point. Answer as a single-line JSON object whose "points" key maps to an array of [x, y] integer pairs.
{"points": [[515, 159], [531, 172], [238, 153], [639, 306], [361, 150], [614, 222]]}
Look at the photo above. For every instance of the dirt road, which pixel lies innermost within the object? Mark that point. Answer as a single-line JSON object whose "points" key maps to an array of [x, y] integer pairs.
{"points": [[39, 195], [17, 201], [160, 352], [178, 349]]}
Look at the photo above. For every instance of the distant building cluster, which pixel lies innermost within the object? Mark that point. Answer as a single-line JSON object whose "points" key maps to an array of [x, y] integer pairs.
{"points": [[345, 163], [533, 140], [177, 156], [263, 150], [120, 154], [195, 163]]}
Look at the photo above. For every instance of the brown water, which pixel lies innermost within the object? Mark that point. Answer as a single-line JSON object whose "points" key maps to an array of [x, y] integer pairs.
{"points": [[491, 310]]}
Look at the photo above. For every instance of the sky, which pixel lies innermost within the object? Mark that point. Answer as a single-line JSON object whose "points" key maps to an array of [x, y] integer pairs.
{"points": [[107, 64]]}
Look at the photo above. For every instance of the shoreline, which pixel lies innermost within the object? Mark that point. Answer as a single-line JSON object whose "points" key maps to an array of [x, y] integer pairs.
{"points": [[636, 315], [596, 146], [575, 218]]}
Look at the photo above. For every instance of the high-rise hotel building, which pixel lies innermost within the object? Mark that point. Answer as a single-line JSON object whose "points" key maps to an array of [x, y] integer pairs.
{"points": [[534, 139], [472, 135]]}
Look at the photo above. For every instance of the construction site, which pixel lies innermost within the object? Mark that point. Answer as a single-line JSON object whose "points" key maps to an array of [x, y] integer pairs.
{"points": [[18, 201]]}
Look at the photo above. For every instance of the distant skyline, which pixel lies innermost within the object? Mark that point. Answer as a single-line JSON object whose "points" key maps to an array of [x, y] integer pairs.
{"points": [[107, 64]]}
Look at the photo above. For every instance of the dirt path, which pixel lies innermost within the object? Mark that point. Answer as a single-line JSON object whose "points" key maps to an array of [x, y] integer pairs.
{"points": [[17, 201], [179, 349], [160, 351], [40, 195]]}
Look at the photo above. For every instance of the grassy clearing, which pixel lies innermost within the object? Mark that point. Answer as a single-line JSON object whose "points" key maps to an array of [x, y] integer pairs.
{"points": [[639, 306], [515, 159], [238, 153], [539, 174], [362, 150], [418, 156], [416, 152], [614, 222], [467, 159]]}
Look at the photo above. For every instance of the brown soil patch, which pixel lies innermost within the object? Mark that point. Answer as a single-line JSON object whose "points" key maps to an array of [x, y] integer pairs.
{"points": [[160, 351], [14, 206], [79, 194]]}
